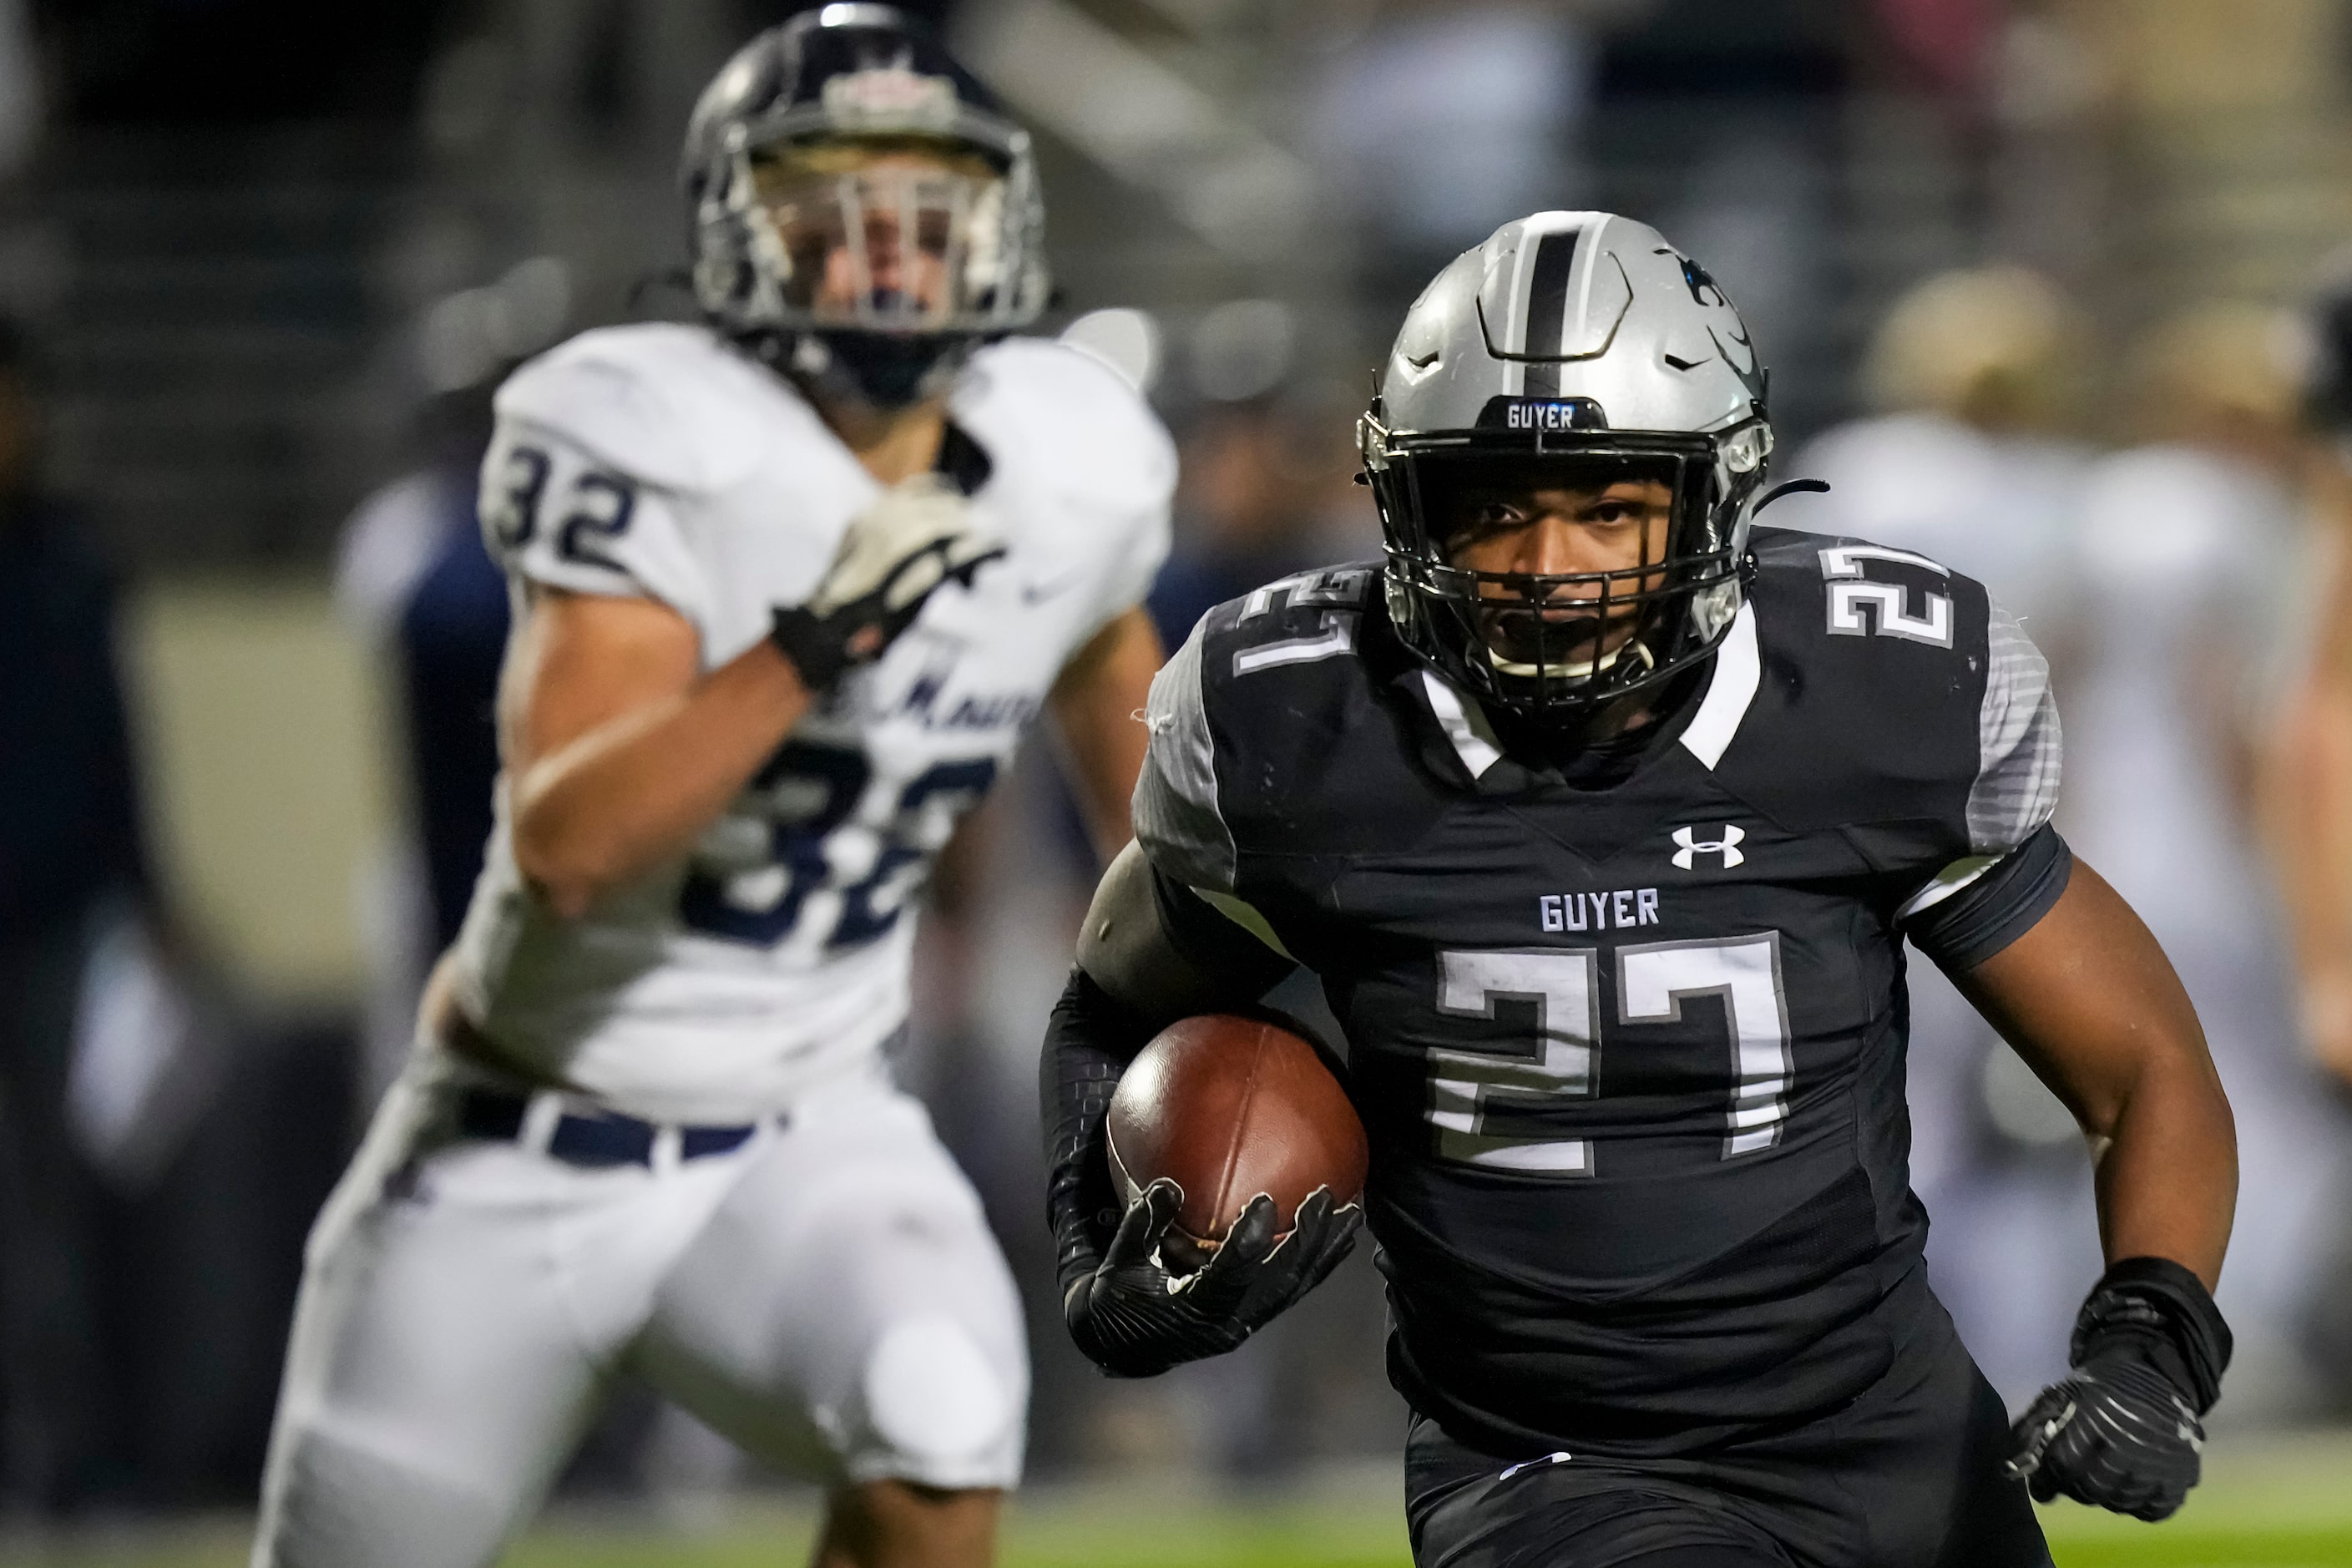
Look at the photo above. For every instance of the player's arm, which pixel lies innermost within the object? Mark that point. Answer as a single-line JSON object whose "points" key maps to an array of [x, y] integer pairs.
{"points": [[2088, 999], [1154, 951], [1161, 952], [2308, 769], [618, 750], [2058, 963], [1097, 703]]}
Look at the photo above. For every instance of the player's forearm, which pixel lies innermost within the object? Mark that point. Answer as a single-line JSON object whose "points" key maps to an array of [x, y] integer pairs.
{"points": [[1095, 706], [2312, 760], [2311, 830], [1090, 1037], [2088, 998], [2311, 817], [2167, 1176], [604, 810]]}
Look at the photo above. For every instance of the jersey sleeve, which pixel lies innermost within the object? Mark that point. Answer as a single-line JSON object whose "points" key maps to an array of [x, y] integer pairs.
{"points": [[1977, 917], [554, 511], [604, 448], [1110, 461], [1181, 826], [2018, 741], [1129, 484], [2017, 864], [1178, 819], [1147, 535]]}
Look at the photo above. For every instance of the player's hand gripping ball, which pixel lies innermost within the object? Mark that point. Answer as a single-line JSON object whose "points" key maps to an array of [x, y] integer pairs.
{"points": [[919, 534], [1243, 1166], [1229, 1108]]}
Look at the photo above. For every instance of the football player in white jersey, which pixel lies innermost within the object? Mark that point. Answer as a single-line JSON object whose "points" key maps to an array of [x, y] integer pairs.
{"points": [[790, 585]]}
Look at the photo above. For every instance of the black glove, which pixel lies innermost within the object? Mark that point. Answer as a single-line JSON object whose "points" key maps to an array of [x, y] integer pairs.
{"points": [[1133, 1320], [2121, 1431], [919, 535]]}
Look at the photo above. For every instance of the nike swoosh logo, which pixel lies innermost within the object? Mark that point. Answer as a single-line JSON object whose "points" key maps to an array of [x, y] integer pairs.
{"points": [[1752, 378], [1038, 593]]}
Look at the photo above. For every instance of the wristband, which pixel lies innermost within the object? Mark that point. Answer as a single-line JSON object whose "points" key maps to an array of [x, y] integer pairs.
{"points": [[2160, 1310]]}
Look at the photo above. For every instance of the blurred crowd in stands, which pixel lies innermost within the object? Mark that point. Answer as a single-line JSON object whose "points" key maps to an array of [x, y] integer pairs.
{"points": [[2165, 498]]}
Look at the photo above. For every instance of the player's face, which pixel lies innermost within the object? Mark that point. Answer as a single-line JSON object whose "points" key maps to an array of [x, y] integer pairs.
{"points": [[1573, 535], [875, 233]]}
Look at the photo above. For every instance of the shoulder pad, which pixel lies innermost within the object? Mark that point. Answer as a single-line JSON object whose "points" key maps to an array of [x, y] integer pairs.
{"points": [[1250, 720], [1279, 671], [1872, 702], [1305, 618], [664, 402], [1098, 436], [1833, 586], [1296, 680]]}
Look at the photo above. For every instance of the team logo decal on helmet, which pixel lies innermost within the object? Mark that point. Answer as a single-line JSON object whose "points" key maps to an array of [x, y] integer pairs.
{"points": [[892, 98], [858, 207], [1571, 349]]}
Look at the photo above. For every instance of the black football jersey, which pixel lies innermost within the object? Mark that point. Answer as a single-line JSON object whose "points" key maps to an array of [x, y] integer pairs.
{"points": [[1630, 1058]]}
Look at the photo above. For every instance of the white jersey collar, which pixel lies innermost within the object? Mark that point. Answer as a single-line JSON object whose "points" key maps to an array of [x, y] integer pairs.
{"points": [[1464, 723], [1738, 670]]}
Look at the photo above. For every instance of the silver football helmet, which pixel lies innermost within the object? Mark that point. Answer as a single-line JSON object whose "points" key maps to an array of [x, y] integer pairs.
{"points": [[1572, 349]]}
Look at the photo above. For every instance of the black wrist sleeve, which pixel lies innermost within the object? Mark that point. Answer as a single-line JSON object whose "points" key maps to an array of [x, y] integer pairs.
{"points": [[1089, 1040], [2153, 1309], [1964, 930]]}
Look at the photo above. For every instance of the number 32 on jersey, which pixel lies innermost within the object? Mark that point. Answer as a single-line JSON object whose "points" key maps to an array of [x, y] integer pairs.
{"points": [[1473, 1093]]}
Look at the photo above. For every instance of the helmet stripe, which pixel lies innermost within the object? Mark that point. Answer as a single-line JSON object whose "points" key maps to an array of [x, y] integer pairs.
{"points": [[1547, 309]]}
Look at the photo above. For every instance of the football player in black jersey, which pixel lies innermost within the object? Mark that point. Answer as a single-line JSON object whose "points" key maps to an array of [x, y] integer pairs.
{"points": [[1603, 817]]}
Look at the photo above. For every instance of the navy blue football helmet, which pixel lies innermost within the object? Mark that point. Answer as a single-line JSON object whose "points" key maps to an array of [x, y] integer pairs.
{"points": [[860, 210]]}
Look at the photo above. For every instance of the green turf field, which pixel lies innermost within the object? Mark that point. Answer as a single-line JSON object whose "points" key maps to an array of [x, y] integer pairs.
{"points": [[2271, 1502]]}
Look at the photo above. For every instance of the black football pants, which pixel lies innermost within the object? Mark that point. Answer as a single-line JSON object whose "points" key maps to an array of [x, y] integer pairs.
{"points": [[1908, 1476]]}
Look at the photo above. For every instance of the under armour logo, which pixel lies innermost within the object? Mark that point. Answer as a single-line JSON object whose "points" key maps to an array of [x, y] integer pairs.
{"points": [[1692, 846]]}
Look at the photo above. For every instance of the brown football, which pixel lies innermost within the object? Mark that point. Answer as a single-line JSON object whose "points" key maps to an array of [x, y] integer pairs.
{"points": [[1228, 1107]]}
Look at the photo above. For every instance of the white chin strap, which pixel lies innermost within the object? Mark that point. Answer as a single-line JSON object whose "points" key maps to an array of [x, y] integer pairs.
{"points": [[1576, 669]]}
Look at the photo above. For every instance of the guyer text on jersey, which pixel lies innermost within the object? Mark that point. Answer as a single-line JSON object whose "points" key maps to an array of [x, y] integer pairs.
{"points": [[1612, 910]]}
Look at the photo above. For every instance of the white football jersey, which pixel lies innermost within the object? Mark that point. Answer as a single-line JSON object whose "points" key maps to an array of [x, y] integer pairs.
{"points": [[658, 460]]}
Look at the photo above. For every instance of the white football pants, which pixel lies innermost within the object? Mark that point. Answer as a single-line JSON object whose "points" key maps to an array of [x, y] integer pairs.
{"points": [[828, 1296]]}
